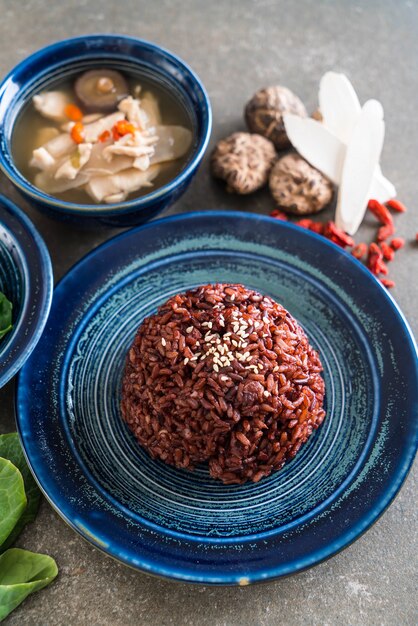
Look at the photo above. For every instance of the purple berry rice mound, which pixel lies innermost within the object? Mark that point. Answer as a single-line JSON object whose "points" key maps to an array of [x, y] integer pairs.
{"points": [[224, 375]]}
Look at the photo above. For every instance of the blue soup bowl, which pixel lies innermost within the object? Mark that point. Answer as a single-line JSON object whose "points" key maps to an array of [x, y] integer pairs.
{"points": [[63, 59], [26, 280]]}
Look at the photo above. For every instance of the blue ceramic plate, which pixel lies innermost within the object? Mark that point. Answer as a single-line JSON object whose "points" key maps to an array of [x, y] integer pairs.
{"points": [[26, 280], [185, 525]]}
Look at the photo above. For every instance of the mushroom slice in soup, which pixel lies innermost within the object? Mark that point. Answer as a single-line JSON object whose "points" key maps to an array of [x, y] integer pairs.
{"points": [[51, 104], [127, 181], [173, 143], [73, 164]]}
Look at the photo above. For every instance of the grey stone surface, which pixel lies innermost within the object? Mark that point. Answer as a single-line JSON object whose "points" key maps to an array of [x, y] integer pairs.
{"points": [[237, 47]]}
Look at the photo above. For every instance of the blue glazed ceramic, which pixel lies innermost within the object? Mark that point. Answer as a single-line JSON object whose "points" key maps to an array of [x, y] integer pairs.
{"points": [[26, 280], [125, 53], [185, 525]]}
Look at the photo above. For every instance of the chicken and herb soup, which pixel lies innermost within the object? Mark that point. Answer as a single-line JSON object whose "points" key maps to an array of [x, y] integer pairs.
{"points": [[102, 137]]}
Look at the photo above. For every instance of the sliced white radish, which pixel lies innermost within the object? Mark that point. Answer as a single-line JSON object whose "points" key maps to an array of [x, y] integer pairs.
{"points": [[362, 157], [316, 144], [339, 105]]}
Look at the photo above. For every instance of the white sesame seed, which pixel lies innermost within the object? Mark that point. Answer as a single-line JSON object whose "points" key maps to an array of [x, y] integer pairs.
{"points": [[234, 343], [266, 320], [276, 368], [224, 378], [266, 393], [216, 368], [246, 354], [232, 297], [163, 341], [227, 335], [189, 330], [186, 360], [221, 322]]}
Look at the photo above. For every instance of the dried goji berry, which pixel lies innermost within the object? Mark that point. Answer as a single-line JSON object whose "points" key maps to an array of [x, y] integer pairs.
{"points": [[77, 132], [115, 134], [317, 227], [387, 282], [375, 259], [73, 113], [397, 243], [380, 211], [305, 223], [337, 235], [385, 232], [388, 252], [396, 205], [279, 215], [124, 127], [360, 250], [104, 136], [383, 268]]}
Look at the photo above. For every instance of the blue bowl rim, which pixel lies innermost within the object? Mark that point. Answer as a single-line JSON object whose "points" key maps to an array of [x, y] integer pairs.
{"points": [[134, 204], [346, 538], [26, 345]]}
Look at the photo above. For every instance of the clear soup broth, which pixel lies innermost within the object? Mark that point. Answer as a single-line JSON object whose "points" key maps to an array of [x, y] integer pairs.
{"points": [[34, 130]]}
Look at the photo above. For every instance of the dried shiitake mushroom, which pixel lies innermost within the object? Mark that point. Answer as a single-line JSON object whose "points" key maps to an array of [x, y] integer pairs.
{"points": [[101, 89], [244, 161], [299, 188], [264, 113]]}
